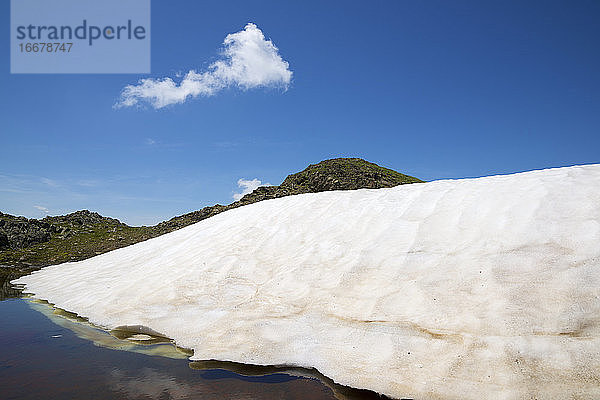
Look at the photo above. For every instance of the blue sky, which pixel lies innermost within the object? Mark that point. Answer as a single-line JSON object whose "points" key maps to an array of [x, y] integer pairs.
{"points": [[434, 89]]}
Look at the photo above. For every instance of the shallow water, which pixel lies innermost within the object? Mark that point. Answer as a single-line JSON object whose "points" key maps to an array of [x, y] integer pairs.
{"points": [[45, 353]]}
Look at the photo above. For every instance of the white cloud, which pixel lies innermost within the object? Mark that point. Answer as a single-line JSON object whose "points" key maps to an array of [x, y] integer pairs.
{"points": [[43, 209], [247, 187], [248, 61], [150, 141], [50, 182]]}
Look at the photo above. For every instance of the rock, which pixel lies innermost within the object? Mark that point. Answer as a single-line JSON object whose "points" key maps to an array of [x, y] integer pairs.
{"points": [[4, 243], [20, 232]]}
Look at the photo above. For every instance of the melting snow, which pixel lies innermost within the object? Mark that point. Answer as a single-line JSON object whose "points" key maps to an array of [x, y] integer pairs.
{"points": [[472, 288]]}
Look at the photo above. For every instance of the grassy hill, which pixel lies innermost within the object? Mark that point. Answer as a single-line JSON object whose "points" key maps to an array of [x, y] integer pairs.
{"points": [[29, 244]]}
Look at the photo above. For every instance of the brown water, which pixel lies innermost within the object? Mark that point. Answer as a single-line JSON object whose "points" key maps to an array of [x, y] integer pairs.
{"points": [[46, 356]]}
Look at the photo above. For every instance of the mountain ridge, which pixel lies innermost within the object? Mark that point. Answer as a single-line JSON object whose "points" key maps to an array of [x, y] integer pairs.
{"points": [[29, 244]]}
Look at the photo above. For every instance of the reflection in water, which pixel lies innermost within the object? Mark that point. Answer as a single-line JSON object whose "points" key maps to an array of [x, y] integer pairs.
{"points": [[90, 374], [8, 291], [340, 391], [151, 384]]}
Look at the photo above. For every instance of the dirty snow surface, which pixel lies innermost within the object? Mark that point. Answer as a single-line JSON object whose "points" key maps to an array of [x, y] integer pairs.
{"points": [[453, 289]]}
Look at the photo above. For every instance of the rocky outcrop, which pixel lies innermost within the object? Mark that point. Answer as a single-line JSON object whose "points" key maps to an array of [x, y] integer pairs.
{"points": [[30, 243], [20, 232]]}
